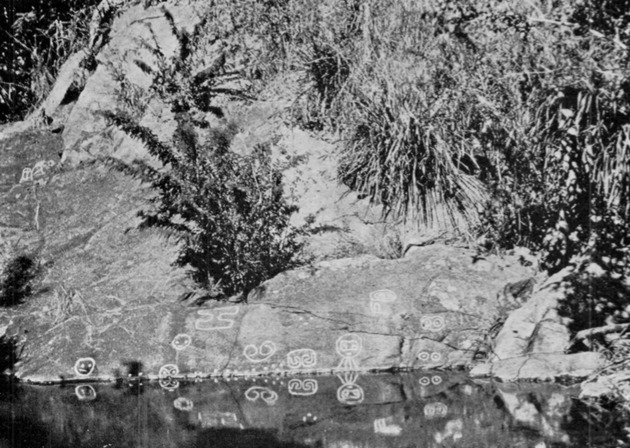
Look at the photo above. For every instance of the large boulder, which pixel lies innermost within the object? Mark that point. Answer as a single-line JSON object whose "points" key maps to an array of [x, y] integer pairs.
{"points": [[429, 310]]}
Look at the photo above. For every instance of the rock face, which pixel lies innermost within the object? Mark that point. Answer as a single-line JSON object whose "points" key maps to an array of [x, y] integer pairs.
{"points": [[532, 343], [427, 311]]}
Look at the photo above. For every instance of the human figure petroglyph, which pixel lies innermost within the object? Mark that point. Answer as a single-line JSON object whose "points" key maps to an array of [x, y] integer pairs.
{"points": [[380, 302], [84, 366], [263, 393], [302, 358], [349, 347], [181, 341], [387, 427], [261, 353], [216, 319], [301, 387], [349, 392]]}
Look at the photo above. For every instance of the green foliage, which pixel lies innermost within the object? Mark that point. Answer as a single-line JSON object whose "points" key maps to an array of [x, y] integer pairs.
{"points": [[36, 37], [17, 280]]}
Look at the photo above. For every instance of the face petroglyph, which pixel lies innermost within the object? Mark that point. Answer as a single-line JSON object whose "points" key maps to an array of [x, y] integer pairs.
{"points": [[84, 366]]}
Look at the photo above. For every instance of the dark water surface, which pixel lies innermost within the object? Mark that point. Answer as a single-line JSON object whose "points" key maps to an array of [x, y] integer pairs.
{"points": [[422, 409]]}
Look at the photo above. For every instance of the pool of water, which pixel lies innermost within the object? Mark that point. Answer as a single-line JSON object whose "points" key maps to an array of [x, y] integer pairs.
{"points": [[421, 409]]}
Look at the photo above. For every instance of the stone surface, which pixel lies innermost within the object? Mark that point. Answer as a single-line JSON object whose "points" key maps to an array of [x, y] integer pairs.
{"points": [[536, 327], [86, 133], [542, 367], [431, 310]]}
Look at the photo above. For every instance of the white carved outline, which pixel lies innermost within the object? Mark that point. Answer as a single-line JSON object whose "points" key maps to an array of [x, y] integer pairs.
{"points": [[302, 388], [185, 339], [266, 350], [301, 358], [386, 427], [85, 392], [183, 404], [380, 298], [264, 393], [82, 360], [223, 318]]}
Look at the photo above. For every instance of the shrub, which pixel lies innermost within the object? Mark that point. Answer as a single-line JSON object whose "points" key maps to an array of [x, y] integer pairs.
{"points": [[16, 280], [228, 209]]}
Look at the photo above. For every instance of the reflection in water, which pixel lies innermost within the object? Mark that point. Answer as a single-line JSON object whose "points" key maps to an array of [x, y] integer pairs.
{"points": [[428, 409]]}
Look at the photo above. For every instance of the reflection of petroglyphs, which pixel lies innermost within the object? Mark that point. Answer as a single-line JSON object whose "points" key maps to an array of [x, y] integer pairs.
{"points": [[166, 375], [260, 354], [302, 358], [214, 419], [183, 404], [38, 170], [380, 302], [302, 387], [349, 347], [386, 427], [432, 323], [85, 392], [84, 366], [430, 356], [429, 380], [435, 410], [264, 393], [349, 392], [216, 319], [309, 418], [181, 341]]}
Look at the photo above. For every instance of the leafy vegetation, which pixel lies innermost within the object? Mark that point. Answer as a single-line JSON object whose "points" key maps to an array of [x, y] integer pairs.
{"points": [[229, 209], [16, 280], [506, 120], [36, 38]]}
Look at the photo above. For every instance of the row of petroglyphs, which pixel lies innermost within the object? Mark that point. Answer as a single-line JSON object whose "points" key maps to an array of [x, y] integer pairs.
{"points": [[38, 170]]}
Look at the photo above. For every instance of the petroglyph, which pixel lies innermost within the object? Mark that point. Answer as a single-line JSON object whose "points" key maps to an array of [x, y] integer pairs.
{"points": [[166, 375], [380, 302], [181, 341], [432, 323], [183, 404], [302, 387], [84, 366], [85, 392], [430, 356], [216, 319], [217, 418], [303, 358], [260, 354], [429, 380], [435, 410], [264, 393], [38, 170], [387, 427], [349, 392], [349, 346]]}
